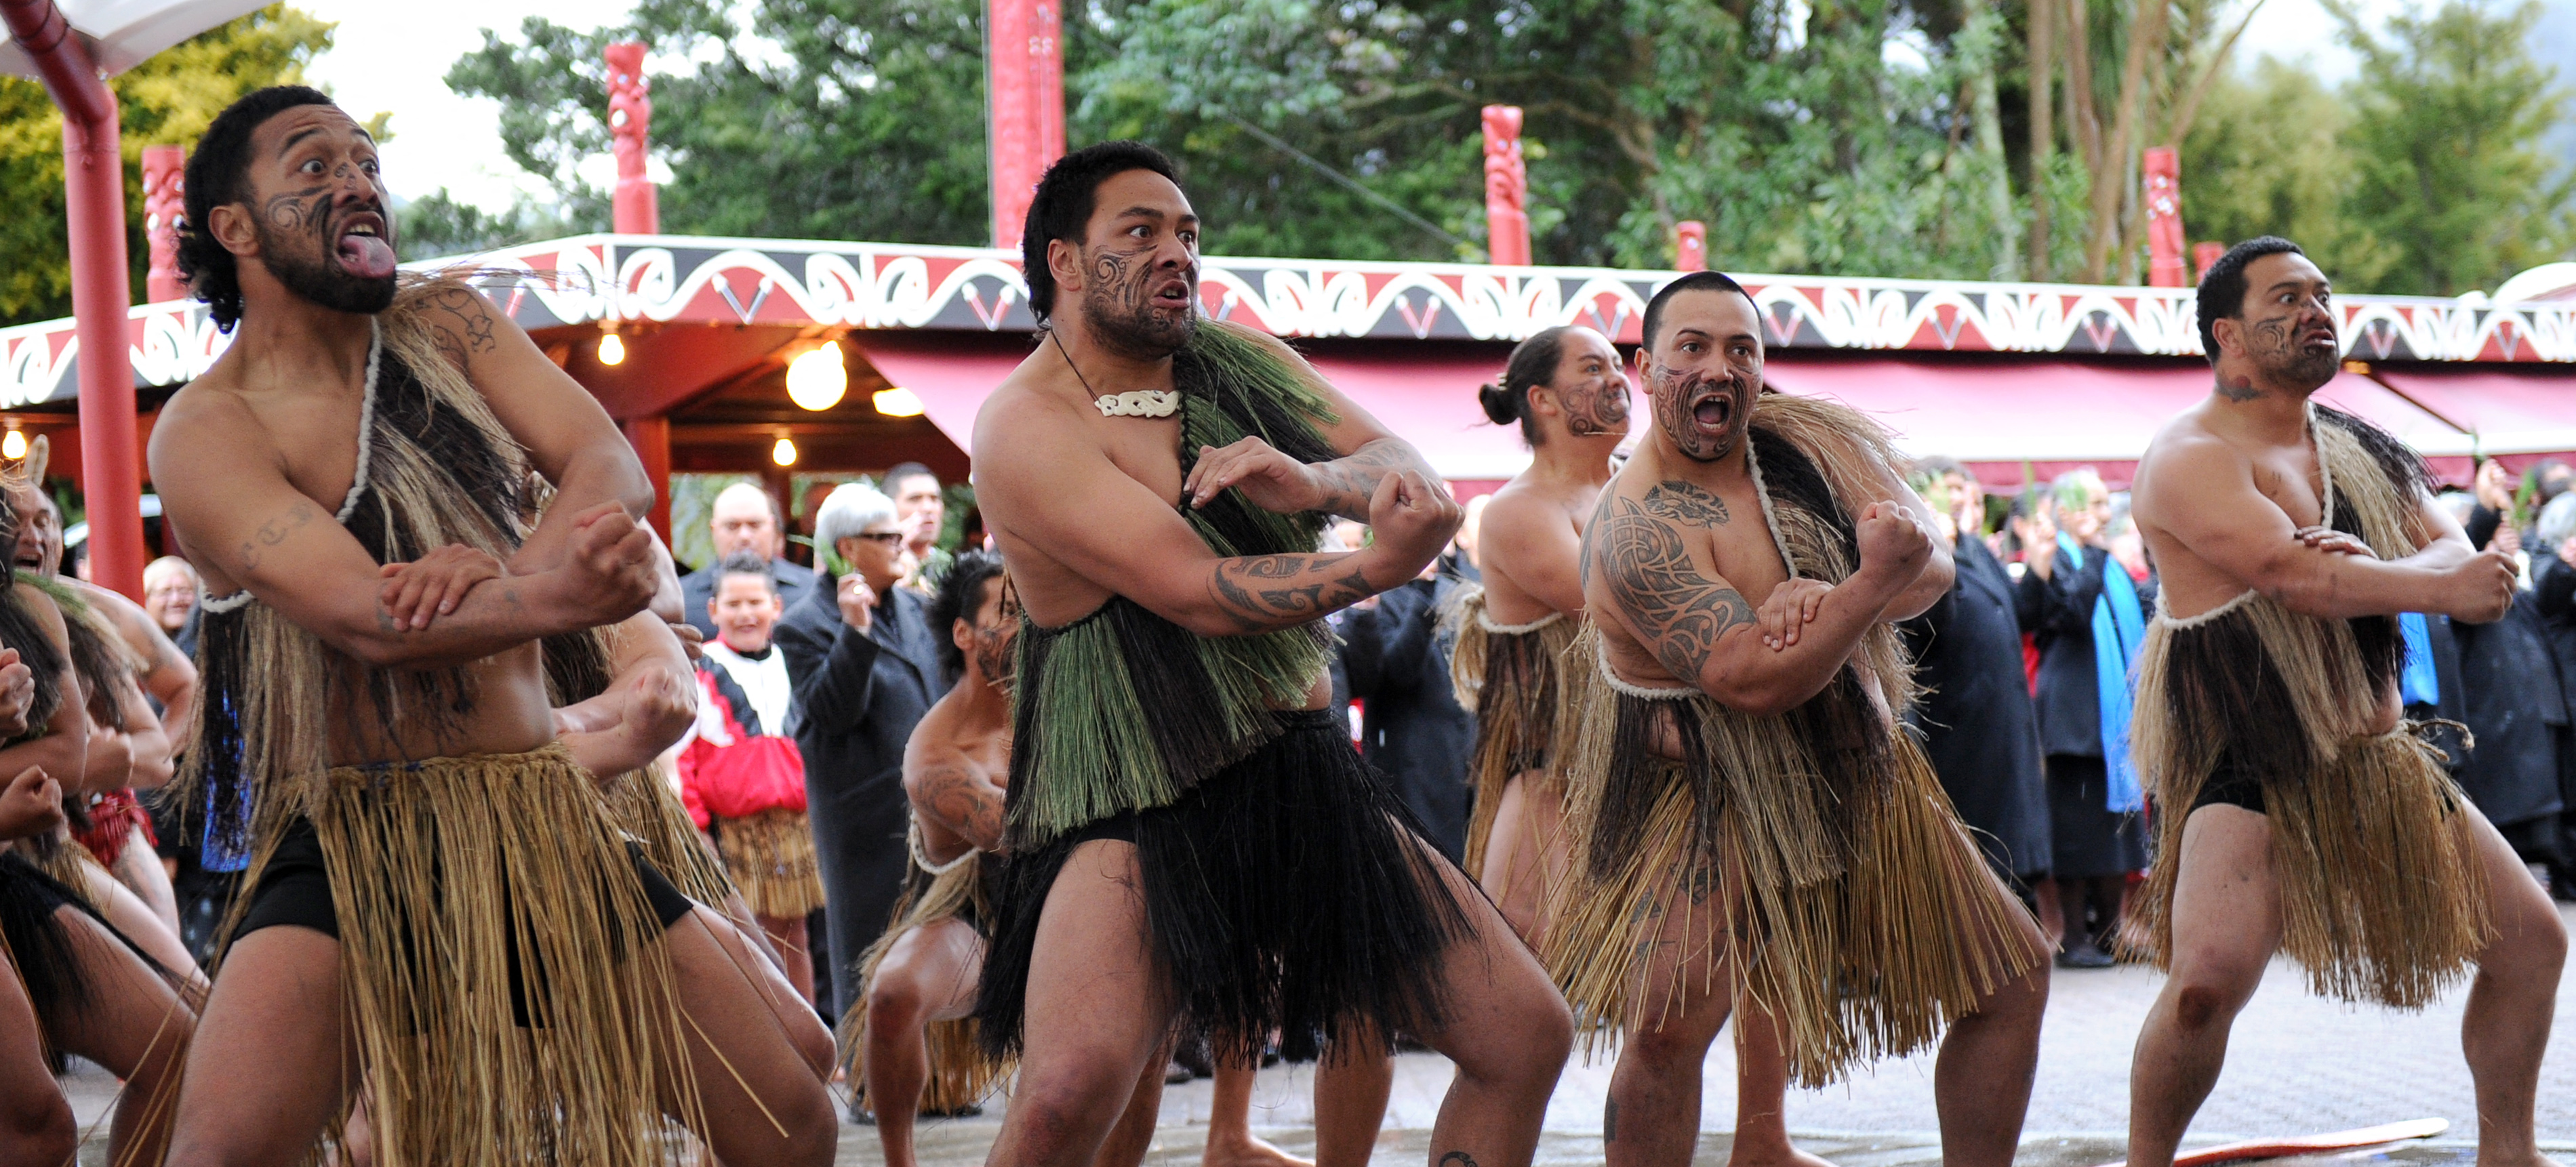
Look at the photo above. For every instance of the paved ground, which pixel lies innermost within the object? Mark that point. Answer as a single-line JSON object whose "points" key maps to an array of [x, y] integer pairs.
{"points": [[2297, 1065]]}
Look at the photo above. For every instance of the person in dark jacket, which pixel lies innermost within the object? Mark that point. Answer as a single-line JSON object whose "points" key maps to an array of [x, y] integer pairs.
{"points": [[1412, 728], [744, 519], [2516, 709], [2063, 592], [1976, 718], [866, 667], [2553, 576]]}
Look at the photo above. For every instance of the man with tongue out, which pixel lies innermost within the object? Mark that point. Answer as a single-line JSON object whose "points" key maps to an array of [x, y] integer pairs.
{"points": [[1751, 827], [443, 921]]}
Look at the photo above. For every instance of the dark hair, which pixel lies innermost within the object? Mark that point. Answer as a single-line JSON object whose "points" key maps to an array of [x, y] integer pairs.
{"points": [[215, 170], [1061, 208], [745, 563], [904, 471], [2222, 285], [961, 591], [1698, 281], [1533, 363]]}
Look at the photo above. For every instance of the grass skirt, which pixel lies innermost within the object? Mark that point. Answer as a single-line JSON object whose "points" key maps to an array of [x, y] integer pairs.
{"points": [[1862, 917], [2383, 897], [770, 856], [1506, 674], [645, 804], [503, 868], [1289, 892], [961, 1073]]}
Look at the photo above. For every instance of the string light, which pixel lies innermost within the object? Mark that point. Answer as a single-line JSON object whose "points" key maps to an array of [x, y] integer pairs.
{"points": [[14, 446], [897, 402], [784, 453], [611, 349], [817, 380]]}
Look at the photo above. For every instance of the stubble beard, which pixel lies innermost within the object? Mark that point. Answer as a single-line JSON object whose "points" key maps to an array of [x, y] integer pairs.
{"points": [[305, 261], [2276, 350], [1118, 309]]}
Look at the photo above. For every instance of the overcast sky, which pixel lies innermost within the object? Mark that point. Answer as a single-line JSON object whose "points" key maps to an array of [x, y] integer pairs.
{"points": [[394, 56]]}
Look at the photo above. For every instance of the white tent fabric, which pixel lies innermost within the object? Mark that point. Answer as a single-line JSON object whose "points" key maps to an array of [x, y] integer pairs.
{"points": [[121, 34]]}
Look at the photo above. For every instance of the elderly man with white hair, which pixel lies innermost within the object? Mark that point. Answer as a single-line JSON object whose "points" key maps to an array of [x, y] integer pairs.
{"points": [[866, 667], [745, 518]]}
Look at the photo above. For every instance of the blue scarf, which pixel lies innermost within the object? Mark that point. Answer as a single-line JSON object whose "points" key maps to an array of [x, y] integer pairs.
{"points": [[2118, 627], [2417, 683]]}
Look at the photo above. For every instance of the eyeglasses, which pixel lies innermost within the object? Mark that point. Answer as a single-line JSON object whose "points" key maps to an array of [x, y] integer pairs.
{"points": [[882, 538]]}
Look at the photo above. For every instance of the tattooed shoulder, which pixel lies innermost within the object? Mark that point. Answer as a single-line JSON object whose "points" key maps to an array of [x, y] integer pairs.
{"points": [[1676, 609], [461, 325], [1685, 501]]}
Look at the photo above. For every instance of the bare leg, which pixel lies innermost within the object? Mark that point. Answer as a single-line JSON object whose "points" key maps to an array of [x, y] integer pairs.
{"points": [[1651, 1118], [1134, 1135], [2226, 923], [1230, 1142], [2511, 1002], [1761, 1095], [1099, 1014], [1981, 1083], [1526, 854], [277, 1006], [1508, 1032], [757, 1051], [36, 1125], [786, 936], [1350, 1102], [139, 869], [132, 916], [930, 974], [138, 1028]]}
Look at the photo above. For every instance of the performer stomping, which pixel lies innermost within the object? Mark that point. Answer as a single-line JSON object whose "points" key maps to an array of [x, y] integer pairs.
{"points": [[1194, 843], [410, 794], [1749, 825], [2297, 810]]}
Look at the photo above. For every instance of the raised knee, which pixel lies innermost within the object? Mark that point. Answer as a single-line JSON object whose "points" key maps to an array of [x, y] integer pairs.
{"points": [[38, 1131], [893, 1001], [813, 1131], [2201, 1006]]}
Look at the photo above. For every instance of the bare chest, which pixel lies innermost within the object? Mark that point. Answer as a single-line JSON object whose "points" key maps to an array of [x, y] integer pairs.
{"points": [[2289, 479], [316, 438], [1145, 449]]}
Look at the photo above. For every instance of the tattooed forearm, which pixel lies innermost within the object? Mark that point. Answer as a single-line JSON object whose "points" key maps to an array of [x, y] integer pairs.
{"points": [[1679, 612], [1349, 481], [1263, 592]]}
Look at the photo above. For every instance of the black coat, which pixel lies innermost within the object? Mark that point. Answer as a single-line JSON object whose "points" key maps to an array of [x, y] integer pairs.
{"points": [[698, 587], [858, 695], [2515, 709], [1411, 727], [1978, 725], [2058, 612]]}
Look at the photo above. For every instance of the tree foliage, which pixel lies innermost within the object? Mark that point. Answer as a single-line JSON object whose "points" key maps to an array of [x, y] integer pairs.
{"points": [[170, 98]]}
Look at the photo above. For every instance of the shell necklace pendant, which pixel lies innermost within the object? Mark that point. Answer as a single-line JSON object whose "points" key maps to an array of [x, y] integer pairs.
{"points": [[1132, 403]]}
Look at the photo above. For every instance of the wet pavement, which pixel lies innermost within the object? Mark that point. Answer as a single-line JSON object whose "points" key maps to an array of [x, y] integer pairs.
{"points": [[2297, 1065]]}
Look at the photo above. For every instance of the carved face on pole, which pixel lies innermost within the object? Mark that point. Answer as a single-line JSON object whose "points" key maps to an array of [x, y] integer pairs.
{"points": [[1703, 372]]}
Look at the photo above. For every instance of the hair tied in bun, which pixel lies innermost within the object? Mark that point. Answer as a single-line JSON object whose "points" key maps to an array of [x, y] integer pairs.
{"points": [[1502, 407]]}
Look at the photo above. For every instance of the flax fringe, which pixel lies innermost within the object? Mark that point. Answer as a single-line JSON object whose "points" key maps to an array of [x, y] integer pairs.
{"points": [[1509, 681], [645, 805], [961, 1073], [438, 870], [771, 858]]}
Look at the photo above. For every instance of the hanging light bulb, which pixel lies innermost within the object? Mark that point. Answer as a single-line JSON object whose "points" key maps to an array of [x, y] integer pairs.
{"points": [[897, 402], [784, 453], [14, 446], [612, 350], [817, 380]]}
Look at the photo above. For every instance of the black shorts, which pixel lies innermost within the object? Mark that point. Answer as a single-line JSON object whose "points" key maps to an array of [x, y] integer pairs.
{"points": [[295, 888]]}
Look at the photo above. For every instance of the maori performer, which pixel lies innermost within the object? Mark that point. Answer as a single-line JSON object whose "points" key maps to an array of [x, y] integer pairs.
{"points": [[2298, 810], [1195, 846], [1750, 827], [353, 479], [1565, 389], [72, 984]]}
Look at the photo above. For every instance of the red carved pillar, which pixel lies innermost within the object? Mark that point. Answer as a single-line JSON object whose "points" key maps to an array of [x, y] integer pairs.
{"points": [[2163, 169], [1690, 245], [2204, 254], [165, 170], [651, 437], [1024, 104], [1506, 187], [635, 208]]}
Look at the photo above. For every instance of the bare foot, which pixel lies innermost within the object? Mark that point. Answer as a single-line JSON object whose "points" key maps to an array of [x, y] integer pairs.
{"points": [[1754, 1154], [1249, 1151]]}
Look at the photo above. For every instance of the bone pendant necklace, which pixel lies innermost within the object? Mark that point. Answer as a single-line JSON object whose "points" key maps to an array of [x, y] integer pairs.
{"points": [[1133, 403]]}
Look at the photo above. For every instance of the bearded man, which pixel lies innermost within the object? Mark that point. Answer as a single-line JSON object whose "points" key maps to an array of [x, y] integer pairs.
{"points": [[353, 479], [1194, 843], [2297, 809]]}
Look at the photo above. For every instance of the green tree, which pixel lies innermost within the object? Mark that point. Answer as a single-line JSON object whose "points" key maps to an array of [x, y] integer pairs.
{"points": [[2445, 147], [170, 98], [437, 225], [2268, 157]]}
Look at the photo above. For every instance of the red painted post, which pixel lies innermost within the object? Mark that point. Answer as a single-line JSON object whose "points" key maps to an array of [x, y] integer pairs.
{"points": [[165, 170], [1690, 245], [2205, 254], [1046, 90], [2163, 169], [635, 208], [1024, 105], [1506, 188], [94, 203]]}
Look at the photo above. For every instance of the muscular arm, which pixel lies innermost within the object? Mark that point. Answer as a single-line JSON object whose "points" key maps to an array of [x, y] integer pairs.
{"points": [[955, 793], [1702, 630], [1369, 450], [2201, 492], [650, 701], [1538, 550], [63, 751], [250, 527]]}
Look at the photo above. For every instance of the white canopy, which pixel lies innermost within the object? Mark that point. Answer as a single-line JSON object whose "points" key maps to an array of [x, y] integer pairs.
{"points": [[121, 34]]}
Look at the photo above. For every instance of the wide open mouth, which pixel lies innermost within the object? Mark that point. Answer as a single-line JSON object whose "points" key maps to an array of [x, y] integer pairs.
{"points": [[1712, 408], [363, 250], [1173, 293]]}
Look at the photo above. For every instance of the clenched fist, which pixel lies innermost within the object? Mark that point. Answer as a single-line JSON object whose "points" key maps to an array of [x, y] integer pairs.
{"points": [[1892, 542], [30, 805], [2482, 587], [614, 559], [1412, 518]]}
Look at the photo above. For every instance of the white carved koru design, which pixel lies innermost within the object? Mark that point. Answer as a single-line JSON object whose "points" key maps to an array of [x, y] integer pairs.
{"points": [[1140, 403]]}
